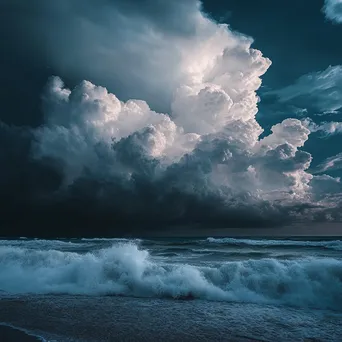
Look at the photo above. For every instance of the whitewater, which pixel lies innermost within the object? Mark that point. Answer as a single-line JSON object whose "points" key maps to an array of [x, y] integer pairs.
{"points": [[298, 278]]}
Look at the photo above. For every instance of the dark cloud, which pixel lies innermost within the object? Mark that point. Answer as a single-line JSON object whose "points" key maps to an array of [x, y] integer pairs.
{"points": [[97, 40], [89, 162]]}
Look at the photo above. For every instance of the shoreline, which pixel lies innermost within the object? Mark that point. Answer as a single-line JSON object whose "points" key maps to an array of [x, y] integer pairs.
{"points": [[9, 333]]}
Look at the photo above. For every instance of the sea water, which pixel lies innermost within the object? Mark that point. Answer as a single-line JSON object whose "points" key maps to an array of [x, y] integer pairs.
{"points": [[213, 289]]}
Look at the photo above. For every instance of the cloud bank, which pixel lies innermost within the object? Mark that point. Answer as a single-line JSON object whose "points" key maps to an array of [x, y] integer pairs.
{"points": [[178, 142], [333, 10]]}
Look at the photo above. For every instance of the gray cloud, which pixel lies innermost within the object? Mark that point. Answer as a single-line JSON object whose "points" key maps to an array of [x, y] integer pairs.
{"points": [[134, 48]]}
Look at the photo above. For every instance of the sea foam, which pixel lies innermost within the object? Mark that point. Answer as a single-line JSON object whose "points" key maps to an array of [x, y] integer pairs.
{"points": [[127, 270]]}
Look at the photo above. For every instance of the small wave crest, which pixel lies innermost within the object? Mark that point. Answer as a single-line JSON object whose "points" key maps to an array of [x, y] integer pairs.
{"points": [[110, 240], [127, 270], [334, 245]]}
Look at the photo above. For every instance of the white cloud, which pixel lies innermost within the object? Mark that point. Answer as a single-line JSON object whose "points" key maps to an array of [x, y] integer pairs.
{"points": [[333, 10], [327, 128], [213, 119], [321, 90], [330, 164], [209, 140], [142, 51]]}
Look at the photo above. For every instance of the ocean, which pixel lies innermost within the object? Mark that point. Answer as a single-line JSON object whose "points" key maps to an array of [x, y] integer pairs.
{"points": [[173, 289]]}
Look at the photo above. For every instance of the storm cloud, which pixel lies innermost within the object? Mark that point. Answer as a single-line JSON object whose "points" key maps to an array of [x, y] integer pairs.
{"points": [[155, 124]]}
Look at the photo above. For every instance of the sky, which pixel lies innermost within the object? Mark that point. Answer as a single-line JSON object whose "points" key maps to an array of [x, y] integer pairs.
{"points": [[127, 116]]}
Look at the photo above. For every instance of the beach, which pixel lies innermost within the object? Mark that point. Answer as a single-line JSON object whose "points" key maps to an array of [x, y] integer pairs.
{"points": [[10, 334]]}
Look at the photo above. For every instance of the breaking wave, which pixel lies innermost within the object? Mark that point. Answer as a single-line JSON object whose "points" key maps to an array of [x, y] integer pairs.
{"points": [[126, 270], [335, 245]]}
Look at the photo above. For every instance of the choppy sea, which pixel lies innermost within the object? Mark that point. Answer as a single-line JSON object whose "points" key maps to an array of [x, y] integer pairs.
{"points": [[213, 289]]}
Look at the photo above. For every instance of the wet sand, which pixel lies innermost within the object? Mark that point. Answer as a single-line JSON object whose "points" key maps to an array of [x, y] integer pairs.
{"points": [[8, 334], [67, 318]]}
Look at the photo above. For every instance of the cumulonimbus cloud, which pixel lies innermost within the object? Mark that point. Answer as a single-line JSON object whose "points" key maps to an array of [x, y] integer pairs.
{"points": [[200, 155], [136, 50]]}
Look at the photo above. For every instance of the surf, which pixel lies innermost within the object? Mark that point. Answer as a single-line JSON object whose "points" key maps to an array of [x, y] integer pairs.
{"points": [[127, 269]]}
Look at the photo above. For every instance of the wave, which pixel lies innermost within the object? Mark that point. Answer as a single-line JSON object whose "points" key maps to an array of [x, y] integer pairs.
{"points": [[127, 270], [59, 244], [41, 243], [335, 245], [64, 244], [109, 240]]}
